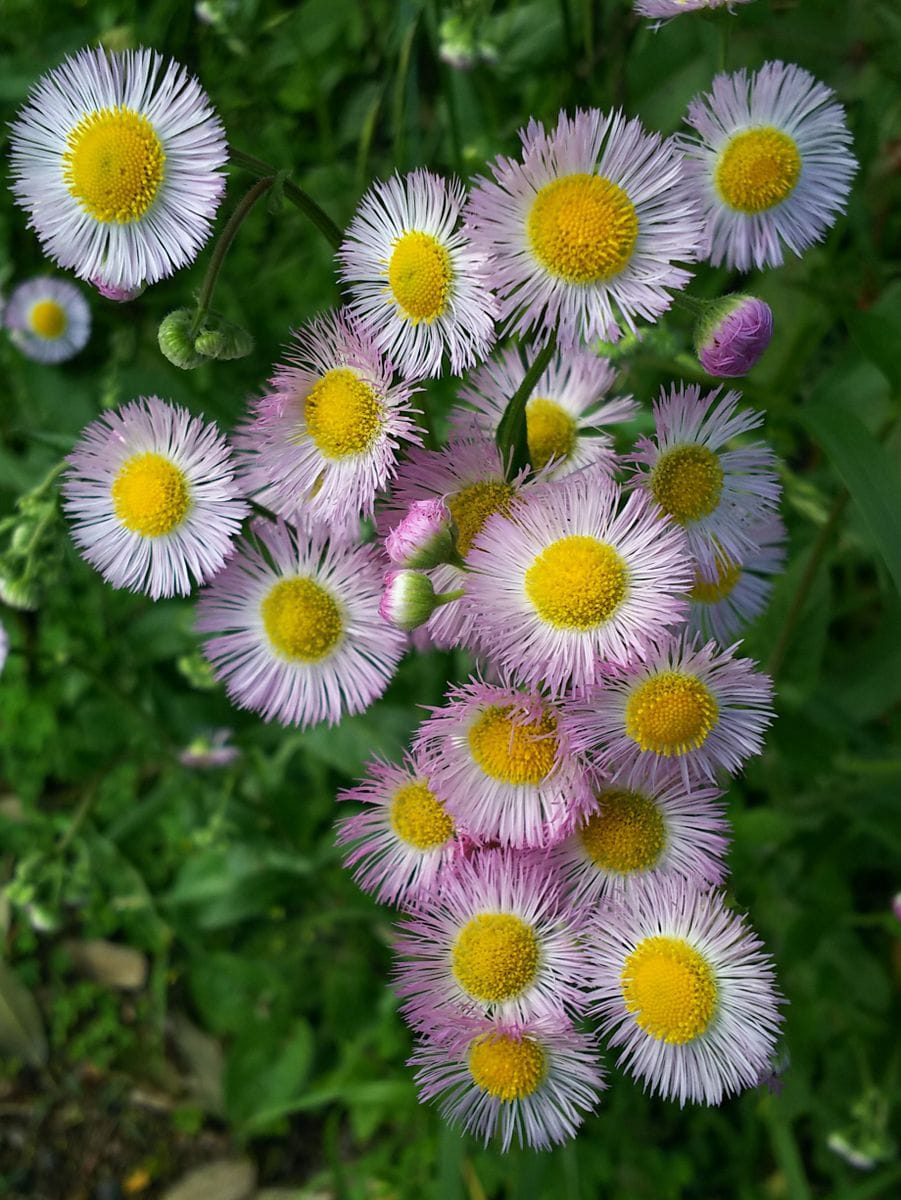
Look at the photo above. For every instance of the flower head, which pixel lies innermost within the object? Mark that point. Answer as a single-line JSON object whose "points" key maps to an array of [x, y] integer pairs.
{"points": [[583, 232], [733, 334], [417, 285], [296, 631], [674, 8], [423, 537], [771, 164], [726, 598], [116, 158], [683, 986], [48, 319], [153, 499]]}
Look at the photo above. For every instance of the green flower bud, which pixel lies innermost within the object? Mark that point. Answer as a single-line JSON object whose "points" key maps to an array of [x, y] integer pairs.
{"points": [[176, 341]]}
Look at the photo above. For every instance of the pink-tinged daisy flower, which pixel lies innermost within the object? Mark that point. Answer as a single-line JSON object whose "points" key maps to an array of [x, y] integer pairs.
{"points": [[684, 987], [498, 939], [697, 704], [324, 438], [298, 637], [153, 499], [572, 581], [714, 494], [532, 1082], [416, 283], [675, 8], [505, 770], [403, 838], [566, 416], [584, 231], [642, 828], [726, 599], [48, 319], [771, 164], [116, 158]]}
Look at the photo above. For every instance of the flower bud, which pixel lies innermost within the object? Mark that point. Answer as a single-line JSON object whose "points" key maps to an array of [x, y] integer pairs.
{"points": [[120, 295], [732, 335], [424, 537], [224, 340], [18, 591], [177, 340], [408, 599]]}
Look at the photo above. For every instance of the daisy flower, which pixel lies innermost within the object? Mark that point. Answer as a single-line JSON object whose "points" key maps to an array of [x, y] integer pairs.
{"points": [[504, 769], [403, 838], [771, 164], [531, 1081], [152, 496], [497, 940], [297, 633], [116, 159], [48, 319], [324, 438], [416, 283], [572, 581], [584, 231], [674, 8], [641, 828], [684, 987], [716, 495], [700, 705], [723, 602], [563, 415]]}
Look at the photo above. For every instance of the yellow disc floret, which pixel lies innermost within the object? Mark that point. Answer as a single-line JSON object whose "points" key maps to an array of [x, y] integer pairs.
{"points": [[420, 276], [627, 834], [671, 713], [114, 164], [582, 228], [150, 495], [550, 430], [577, 583], [302, 620], [670, 988], [48, 319], [687, 482], [495, 957], [512, 750], [506, 1067], [471, 507], [418, 817], [711, 591], [758, 169], [343, 414]]}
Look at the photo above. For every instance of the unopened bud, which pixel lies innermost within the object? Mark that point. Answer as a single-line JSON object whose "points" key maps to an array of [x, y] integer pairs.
{"points": [[732, 335], [18, 592], [176, 339], [408, 599], [424, 537], [224, 340]]}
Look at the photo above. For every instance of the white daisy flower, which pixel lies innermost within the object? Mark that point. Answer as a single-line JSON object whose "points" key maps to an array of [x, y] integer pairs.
{"points": [[48, 319]]}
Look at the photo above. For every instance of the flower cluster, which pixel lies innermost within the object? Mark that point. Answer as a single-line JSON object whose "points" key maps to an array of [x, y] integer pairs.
{"points": [[556, 833]]}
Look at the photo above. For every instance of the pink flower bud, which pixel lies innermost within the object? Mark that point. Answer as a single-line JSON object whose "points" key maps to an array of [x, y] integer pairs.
{"points": [[424, 537], [733, 334], [408, 599]]}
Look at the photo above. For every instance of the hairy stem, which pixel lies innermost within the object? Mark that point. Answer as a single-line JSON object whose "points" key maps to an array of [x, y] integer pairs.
{"points": [[234, 223], [295, 194]]}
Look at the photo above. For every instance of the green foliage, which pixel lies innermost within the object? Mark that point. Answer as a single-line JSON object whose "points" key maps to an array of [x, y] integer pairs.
{"points": [[267, 1001]]}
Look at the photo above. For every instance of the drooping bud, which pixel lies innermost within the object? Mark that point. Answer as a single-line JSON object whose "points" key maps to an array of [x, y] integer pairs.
{"points": [[18, 591], [732, 335], [408, 599], [224, 340], [424, 537], [120, 295], [176, 339]]}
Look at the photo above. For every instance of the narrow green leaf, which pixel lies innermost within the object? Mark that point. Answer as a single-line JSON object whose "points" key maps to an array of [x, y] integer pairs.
{"points": [[878, 337], [21, 1029]]}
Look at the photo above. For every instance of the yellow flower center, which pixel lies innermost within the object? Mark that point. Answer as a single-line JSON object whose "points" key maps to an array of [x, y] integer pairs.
{"points": [[506, 1067], [302, 620], [550, 430], [48, 319], [420, 276], [687, 482], [582, 228], [670, 988], [418, 817], [113, 164], [671, 713], [495, 957], [514, 751], [577, 583], [758, 169], [627, 834], [711, 591], [342, 413], [473, 505], [150, 495]]}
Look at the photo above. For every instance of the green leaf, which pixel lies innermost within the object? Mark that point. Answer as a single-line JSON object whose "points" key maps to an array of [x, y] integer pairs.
{"points": [[878, 337], [21, 1028], [265, 1072], [867, 471]]}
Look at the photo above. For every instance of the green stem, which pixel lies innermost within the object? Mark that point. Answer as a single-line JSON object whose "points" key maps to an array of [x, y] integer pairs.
{"points": [[226, 237], [448, 597], [689, 303], [298, 197], [512, 433]]}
